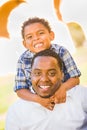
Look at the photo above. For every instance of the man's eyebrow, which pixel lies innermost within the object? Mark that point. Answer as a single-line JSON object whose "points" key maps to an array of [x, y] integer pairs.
{"points": [[48, 69]]}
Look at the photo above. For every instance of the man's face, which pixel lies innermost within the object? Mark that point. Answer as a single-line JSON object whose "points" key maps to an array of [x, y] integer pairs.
{"points": [[37, 37], [46, 76]]}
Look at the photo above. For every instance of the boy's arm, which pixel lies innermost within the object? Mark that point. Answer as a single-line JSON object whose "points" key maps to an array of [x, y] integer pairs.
{"points": [[70, 83], [27, 95], [71, 75], [60, 95]]}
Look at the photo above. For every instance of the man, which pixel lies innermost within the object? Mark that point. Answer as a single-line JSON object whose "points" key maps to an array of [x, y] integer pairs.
{"points": [[46, 78]]}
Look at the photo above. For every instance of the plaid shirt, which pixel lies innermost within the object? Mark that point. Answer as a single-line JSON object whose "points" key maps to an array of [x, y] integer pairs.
{"points": [[22, 78]]}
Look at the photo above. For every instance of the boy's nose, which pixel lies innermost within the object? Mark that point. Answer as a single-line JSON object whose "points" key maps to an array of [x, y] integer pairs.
{"points": [[35, 37]]}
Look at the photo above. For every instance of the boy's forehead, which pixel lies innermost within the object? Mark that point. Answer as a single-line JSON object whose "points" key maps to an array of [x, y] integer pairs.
{"points": [[36, 25]]}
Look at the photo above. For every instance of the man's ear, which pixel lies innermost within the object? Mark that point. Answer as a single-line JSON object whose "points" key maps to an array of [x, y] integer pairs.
{"points": [[52, 35], [62, 77]]}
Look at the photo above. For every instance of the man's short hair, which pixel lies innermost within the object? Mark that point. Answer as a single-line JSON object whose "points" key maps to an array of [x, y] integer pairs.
{"points": [[48, 52]]}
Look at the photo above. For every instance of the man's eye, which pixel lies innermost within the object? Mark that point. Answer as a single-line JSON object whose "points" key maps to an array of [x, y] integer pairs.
{"points": [[52, 74], [37, 73]]}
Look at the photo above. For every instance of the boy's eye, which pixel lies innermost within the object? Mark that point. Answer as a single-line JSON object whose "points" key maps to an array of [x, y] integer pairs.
{"points": [[41, 32], [29, 37]]}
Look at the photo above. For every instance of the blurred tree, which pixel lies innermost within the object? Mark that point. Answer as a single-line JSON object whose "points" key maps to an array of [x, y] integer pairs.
{"points": [[5, 11], [77, 34], [57, 9]]}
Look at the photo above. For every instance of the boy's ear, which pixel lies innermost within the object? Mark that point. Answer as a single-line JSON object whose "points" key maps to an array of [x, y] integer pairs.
{"points": [[24, 43], [52, 35]]}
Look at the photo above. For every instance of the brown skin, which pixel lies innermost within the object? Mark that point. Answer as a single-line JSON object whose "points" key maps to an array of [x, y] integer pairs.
{"points": [[60, 95], [38, 38], [45, 72], [27, 95], [46, 76]]}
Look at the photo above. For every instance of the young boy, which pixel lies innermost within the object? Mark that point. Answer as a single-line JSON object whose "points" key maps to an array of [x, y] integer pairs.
{"points": [[37, 36]]}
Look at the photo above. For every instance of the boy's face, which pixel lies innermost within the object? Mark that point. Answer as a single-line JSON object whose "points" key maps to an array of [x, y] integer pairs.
{"points": [[37, 37], [46, 76]]}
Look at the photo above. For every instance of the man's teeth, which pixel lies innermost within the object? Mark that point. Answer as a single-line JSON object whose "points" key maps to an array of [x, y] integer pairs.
{"points": [[44, 87], [38, 45]]}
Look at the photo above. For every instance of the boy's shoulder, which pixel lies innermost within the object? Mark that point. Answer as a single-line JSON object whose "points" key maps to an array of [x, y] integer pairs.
{"points": [[58, 48], [26, 54]]}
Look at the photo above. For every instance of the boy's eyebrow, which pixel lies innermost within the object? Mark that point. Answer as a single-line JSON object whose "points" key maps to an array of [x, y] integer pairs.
{"points": [[36, 69], [37, 31], [41, 30]]}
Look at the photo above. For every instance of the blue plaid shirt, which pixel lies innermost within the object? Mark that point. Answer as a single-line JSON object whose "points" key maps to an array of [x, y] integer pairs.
{"points": [[22, 78]]}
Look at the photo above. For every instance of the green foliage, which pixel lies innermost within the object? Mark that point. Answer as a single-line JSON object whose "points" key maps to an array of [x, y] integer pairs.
{"points": [[7, 97], [2, 124], [5, 92]]}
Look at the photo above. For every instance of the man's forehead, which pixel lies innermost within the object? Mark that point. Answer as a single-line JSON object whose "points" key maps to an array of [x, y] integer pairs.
{"points": [[45, 61]]}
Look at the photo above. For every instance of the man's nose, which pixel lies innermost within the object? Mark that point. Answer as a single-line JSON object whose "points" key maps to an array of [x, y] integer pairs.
{"points": [[44, 77]]}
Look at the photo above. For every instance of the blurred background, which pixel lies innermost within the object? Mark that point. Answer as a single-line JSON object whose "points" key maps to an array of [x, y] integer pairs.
{"points": [[68, 20]]}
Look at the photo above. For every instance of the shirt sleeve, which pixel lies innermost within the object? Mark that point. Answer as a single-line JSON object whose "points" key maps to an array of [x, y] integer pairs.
{"points": [[69, 65], [22, 78]]}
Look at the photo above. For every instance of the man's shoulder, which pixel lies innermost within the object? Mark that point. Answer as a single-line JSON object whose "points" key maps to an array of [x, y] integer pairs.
{"points": [[77, 90], [22, 105]]}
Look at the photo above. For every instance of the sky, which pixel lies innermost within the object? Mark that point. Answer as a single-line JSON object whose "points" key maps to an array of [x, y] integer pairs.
{"points": [[12, 48]]}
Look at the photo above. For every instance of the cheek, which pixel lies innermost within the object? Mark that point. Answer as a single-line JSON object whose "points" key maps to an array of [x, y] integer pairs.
{"points": [[55, 80], [34, 80], [28, 44], [46, 38]]}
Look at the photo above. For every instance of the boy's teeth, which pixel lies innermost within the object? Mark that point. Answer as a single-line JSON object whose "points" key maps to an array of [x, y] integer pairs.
{"points": [[44, 87], [38, 45]]}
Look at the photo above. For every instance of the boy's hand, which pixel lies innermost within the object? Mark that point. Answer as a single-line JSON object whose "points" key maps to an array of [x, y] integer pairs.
{"points": [[60, 95], [47, 102]]}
